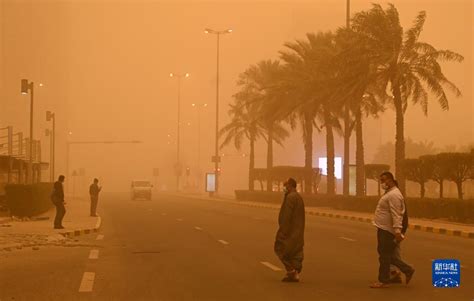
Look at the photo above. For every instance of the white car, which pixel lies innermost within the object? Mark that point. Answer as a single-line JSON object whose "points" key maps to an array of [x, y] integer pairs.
{"points": [[141, 189]]}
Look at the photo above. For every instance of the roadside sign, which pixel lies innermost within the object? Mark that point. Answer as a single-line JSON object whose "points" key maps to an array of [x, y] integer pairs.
{"points": [[210, 182]]}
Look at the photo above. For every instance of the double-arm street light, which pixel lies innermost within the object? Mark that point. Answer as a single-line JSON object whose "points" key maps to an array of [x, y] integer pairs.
{"points": [[178, 161], [29, 87], [50, 116], [216, 157]]}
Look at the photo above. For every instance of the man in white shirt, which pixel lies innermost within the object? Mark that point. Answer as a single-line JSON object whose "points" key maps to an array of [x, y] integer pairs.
{"points": [[388, 219]]}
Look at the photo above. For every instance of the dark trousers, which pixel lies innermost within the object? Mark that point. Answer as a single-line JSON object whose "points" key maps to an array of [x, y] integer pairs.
{"points": [[291, 260], [94, 201], [60, 212], [389, 253]]}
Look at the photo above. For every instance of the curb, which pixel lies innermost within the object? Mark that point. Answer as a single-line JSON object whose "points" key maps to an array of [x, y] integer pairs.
{"points": [[418, 227], [71, 233], [11, 247], [78, 232], [437, 230]]}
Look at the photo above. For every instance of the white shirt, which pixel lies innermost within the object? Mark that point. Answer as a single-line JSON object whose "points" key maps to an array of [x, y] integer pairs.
{"points": [[390, 210]]}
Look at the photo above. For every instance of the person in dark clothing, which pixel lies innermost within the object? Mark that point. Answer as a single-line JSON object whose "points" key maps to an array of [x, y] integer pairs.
{"points": [[289, 239], [57, 197], [94, 190]]}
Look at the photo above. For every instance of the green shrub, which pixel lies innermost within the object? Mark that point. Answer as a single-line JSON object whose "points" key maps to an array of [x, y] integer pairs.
{"points": [[28, 200]]}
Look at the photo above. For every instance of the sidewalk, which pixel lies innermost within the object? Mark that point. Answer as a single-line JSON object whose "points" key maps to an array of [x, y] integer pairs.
{"points": [[426, 225], [16, 234]]}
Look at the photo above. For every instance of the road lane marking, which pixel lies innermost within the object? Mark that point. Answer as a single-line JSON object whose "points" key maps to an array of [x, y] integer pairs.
{"points": [[198, 228], [270, 266], [223, 242], [94, 254], [348, 239], [100, 237], [87, 282], [179, 219]]}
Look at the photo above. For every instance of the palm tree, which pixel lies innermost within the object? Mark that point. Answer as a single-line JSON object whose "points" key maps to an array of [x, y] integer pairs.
{"points": [[411, 67], [244, 124], [257, 82], [360, 89], [308, 83]]}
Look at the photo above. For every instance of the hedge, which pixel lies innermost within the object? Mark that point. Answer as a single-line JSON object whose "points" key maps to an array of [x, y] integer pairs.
{"points": [[28, 200], [451, 209]]}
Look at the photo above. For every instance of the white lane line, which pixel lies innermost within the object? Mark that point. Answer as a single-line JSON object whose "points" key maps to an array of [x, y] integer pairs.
{"points": [[179, 219], [198, 228], [223, 242], [348, 239], [87, 282], [270, 266], [94, 254], [100, 237]]}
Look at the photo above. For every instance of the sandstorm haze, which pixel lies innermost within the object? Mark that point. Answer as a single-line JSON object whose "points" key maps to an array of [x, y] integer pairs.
{"points": [[105, 68]]}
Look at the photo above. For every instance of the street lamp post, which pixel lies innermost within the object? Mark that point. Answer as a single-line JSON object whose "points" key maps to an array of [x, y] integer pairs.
{"points": [[29, 87], [199, 107], [50, 116], [218, 33], [178, 162]]}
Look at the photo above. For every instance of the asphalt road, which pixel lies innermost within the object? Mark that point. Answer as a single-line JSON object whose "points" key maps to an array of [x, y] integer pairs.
{"points": [[176, 248]]}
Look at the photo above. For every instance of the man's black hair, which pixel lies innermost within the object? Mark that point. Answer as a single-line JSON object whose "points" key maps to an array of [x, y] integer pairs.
{"points": [[96, 180], [390, 176], [61, 177], [292, 182]]}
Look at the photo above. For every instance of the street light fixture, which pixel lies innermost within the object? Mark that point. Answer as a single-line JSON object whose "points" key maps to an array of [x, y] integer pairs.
{"points": [[29, 87], [50, 116], [216, 158], [178, 162]]}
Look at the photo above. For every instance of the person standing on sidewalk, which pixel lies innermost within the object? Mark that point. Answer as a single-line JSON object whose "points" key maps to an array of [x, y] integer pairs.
{"points": [[391, 221], [57, 197], [289, 240], [94, 190]]}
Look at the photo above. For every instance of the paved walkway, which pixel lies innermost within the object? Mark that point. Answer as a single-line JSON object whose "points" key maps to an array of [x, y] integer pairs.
{"points": [[15, 234]]}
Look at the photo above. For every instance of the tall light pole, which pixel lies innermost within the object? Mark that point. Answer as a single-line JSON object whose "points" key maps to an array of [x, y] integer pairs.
{"points": [[199, 107], [50, 116], [29, 87], [216, 158], [178, 161]]}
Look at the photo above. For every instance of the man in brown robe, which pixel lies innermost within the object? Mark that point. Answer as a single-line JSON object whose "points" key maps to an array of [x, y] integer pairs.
{"points": [[289, 240]]}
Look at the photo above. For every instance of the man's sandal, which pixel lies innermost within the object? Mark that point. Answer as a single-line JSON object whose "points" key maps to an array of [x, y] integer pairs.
{"points": [[379, 285]]}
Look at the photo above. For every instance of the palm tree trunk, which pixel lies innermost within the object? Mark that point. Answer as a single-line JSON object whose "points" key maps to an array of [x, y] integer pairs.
{"points": [[459, 186], [331, 181], [441, 189], [252, 162], [347, 141], [399, 137], [360, 172], [308, 155], [269, 158]]}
